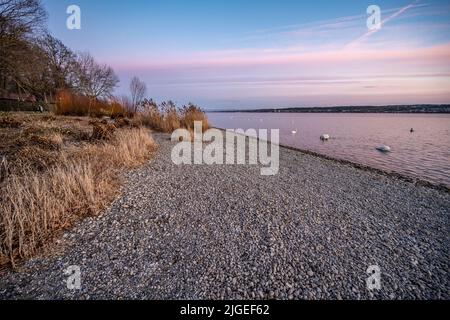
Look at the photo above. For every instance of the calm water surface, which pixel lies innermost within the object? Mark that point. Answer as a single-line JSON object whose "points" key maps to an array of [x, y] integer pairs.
{"points": [[425, 153]]}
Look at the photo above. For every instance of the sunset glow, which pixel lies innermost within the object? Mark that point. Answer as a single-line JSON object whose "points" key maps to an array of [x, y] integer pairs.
{"points": [[222, 57]]}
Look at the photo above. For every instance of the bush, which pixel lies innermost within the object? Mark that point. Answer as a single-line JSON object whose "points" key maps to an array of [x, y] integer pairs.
{"points": [[192, 113], [70, 104], [167, 118], [102, 131]]}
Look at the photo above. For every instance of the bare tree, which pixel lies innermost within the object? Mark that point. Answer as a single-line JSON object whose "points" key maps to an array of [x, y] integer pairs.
{"points": [[19, 18], [20, 22], [60, 61], [34, 62], [92, 79], [43, 67], [138, 90]]}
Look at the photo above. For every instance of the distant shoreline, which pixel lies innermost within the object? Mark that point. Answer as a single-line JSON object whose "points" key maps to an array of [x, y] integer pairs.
{"points": [[403, 109]]}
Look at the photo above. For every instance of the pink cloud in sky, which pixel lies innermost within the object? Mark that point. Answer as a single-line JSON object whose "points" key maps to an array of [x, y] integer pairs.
{"points": [[341, 76], [437, 56], [389, 66]]}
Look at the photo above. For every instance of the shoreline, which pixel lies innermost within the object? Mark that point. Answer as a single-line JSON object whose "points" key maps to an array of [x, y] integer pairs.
{"points": [[226, 232], [427, 108], [414, 180], [393, 174]]}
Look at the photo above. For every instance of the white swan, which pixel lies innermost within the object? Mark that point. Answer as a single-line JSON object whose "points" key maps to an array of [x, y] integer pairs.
{"points": [[384, 148], [294, 131], [325, 137]]}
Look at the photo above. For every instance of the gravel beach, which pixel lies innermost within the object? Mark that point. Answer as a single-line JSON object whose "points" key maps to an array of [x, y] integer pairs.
{"points": [[226, 232]]}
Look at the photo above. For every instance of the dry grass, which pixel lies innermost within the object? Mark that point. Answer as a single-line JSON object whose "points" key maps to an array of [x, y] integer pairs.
{"points": [[190, 114], [57, 177], [70, 104], [167, 117], [9, 122]]}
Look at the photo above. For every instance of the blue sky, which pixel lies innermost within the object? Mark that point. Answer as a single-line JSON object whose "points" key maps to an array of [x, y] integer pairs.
{"points": [[238, 54]]}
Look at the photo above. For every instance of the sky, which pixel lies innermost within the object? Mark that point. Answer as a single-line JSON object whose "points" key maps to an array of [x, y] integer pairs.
{"points": [[238, 54]]}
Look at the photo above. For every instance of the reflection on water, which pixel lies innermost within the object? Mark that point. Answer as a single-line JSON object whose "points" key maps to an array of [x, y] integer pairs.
{"points": [[424, 153]]}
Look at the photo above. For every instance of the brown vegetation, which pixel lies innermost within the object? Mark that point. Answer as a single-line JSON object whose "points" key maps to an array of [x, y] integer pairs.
{"points": [[9, 122], [56, 170], [190, 114], [167, 118], [70, 104]]}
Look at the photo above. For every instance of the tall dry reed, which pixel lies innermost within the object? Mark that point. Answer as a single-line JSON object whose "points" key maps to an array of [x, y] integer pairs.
{"points": [[36, 205]]}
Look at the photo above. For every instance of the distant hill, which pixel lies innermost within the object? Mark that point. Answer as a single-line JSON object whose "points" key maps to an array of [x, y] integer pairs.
{"points": [[423, 108]]}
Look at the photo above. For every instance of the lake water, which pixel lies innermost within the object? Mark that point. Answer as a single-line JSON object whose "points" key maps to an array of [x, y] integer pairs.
{"points": [[425, 153]]}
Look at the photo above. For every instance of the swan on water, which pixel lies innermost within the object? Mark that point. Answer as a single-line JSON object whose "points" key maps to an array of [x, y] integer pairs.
{"points": [[384, 148], [325, 137], [294, 131]]}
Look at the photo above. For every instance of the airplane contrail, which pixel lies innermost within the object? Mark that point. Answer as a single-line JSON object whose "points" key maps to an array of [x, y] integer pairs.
{"points": [[394, 15]]}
